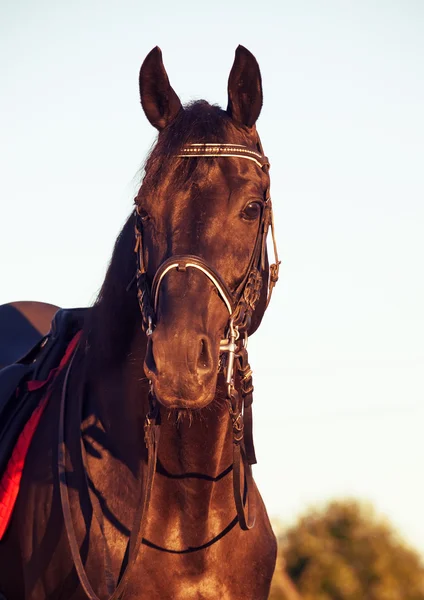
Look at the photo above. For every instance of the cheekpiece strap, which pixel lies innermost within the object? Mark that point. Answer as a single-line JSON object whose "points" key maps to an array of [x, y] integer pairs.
{"points": [[143, 288], [213, 150]]}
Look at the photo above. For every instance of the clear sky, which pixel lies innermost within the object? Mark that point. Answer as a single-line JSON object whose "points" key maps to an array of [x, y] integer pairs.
{"points": [[339, 358]]}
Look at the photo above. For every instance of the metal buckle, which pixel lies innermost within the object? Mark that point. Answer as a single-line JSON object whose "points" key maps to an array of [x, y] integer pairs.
{"points": [[149, 330], [229, 345]]}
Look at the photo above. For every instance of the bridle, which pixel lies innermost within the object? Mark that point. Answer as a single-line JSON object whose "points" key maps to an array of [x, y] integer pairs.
{"points": [[240, 305]]}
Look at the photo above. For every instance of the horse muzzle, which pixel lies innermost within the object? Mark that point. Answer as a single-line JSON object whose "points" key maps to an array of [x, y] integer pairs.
{"points": [[182, 367]]}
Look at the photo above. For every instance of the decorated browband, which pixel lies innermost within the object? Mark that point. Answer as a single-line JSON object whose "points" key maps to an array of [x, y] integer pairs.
{"points": [[212, 150]]}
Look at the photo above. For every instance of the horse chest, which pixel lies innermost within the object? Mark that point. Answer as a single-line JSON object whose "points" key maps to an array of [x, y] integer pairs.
{"points": [[214, 572], [203, 587]]}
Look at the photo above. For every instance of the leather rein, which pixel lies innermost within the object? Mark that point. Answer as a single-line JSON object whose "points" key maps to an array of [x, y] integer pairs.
{"points": [[240, 305]]}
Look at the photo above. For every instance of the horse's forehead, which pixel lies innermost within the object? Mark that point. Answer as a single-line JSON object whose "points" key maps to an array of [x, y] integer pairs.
{"points": [[231, 175]]}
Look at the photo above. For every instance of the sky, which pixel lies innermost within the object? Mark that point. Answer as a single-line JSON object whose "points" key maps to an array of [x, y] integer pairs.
{"points": [[338, 360]]}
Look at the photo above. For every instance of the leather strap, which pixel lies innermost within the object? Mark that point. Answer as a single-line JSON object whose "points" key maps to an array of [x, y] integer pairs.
{"points": [[248, 522], [239, 455], [246, 391], [208, 150], [136, 537], [183, 261]]}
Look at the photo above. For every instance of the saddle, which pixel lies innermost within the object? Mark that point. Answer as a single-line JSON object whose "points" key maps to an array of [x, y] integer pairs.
{"points": [[17, 403], [17, 334]]}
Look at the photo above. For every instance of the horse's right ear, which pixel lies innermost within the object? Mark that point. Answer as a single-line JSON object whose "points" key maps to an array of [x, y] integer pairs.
{"points": [[159, 101], [244, 88]]}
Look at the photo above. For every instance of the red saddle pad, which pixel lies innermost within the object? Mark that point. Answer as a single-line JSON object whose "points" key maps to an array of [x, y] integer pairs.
{"points": [[11, 479]]}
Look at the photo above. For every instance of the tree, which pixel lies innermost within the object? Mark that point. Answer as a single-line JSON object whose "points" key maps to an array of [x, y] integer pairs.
{"points": [[345, 552], [282, 587]]}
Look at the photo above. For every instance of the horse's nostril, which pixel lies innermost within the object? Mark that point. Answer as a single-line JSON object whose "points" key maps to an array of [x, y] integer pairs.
{"points": [[204, 358]]}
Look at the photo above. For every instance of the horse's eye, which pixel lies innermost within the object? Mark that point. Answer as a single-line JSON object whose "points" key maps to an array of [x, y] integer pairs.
{"points": [[252, 211], [144, 216]]}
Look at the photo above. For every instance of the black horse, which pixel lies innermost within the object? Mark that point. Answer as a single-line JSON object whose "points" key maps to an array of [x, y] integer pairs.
{"points": [[162, 350]]}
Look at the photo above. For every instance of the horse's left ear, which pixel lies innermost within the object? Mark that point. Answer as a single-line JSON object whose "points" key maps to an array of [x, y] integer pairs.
{"points": [[159, 101], [244, 88]]}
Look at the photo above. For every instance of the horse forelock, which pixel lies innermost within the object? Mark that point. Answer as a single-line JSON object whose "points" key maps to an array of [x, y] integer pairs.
{"points": [[199, 122]]}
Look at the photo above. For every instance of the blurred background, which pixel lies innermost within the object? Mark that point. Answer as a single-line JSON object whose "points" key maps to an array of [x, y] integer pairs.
{"points": [[338, 361]]}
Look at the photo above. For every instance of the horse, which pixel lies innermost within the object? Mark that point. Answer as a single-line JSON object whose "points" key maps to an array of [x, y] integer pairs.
{"points": [[22, 325], [106, 509]]}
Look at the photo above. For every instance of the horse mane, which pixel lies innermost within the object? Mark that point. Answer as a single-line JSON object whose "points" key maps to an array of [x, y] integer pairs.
{"points": [[115, 315]]}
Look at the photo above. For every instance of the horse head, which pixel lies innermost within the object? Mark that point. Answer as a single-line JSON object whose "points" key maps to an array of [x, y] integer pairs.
{"points": [[203, 211]]}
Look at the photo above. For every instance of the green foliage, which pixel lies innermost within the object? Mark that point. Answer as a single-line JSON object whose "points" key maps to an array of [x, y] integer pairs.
{"points": [[344, 552], [282, 587]]}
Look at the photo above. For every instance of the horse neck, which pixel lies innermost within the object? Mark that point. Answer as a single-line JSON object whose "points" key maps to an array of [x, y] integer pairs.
{"points": [[197, 443], [116, 403], [192, 500]]}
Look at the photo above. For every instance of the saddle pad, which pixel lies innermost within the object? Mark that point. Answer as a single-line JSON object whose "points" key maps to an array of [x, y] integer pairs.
{"points": [[11, 479], [17, 334]]}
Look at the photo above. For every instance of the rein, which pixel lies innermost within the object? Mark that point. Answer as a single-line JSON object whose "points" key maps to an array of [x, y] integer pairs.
{"points": [[240, 305], [151, 438]]}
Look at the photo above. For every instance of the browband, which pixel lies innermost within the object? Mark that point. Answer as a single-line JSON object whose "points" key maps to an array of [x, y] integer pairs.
{"points": [[213, 150]]}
